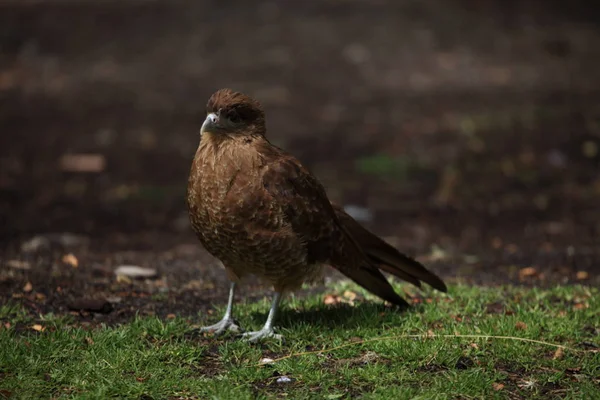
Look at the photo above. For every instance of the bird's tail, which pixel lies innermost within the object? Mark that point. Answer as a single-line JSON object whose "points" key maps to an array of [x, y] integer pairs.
{"points": [[386, 257]]}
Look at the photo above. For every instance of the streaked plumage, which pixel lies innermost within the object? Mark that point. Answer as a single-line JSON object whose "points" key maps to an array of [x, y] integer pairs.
{"points": [[258, 210]]}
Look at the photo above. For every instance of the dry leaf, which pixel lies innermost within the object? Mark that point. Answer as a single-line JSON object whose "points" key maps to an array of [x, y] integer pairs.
{"points": [[558, 354], [170, 316], [350, 295], [527, 272], [582, 275], [123, 279], [89, 340], [474, 345], [521, 325], [331, 299], [37, 327], [28, 287], [71, 260], [497, 386]]}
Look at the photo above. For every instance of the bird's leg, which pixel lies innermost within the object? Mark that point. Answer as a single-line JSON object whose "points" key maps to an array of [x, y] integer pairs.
{"points": [[267, 330], [227, 322]]}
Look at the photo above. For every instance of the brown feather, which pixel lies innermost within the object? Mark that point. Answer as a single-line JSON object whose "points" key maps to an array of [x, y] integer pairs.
{"points": [[257, 209], [387, 257]]}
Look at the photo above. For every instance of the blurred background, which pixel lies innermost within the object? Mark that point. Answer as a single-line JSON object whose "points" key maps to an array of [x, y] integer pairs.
{"points": [[465, 132]]}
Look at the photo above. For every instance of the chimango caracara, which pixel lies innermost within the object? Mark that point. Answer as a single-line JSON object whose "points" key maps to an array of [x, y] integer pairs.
{"points": [[258, 210]]}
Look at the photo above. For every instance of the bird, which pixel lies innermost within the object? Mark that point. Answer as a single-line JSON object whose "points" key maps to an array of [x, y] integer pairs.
{"points": [[261, 212]]}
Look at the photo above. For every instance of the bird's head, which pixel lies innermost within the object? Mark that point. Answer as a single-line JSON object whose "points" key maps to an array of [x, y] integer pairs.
{"points": [[233, 113]]}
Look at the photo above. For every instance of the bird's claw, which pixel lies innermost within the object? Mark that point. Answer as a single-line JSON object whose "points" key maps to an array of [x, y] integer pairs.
{"points": [[226, 324], [254, 337]]}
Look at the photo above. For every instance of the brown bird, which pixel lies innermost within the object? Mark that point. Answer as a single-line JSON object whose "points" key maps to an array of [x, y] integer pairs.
{"points": [[261, 212]]}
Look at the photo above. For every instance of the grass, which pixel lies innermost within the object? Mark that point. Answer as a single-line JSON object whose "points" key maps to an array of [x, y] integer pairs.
{"points": [[150, 358]]}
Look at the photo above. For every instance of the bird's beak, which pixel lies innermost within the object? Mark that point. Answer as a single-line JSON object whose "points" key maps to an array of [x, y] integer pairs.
{"points": [[210, 123]]}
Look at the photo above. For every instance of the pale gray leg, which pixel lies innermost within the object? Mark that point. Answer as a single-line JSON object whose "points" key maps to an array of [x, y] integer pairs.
{"points": [[267, 330], [226, 323]]}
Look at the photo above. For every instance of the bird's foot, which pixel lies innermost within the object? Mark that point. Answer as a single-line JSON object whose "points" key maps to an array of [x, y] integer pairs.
{"points": [[226, 324], [262, 334]]}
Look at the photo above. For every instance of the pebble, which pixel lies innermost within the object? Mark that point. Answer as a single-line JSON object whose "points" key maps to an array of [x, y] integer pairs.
{"points": [[284, 379], [359, 213], [133, 271]]}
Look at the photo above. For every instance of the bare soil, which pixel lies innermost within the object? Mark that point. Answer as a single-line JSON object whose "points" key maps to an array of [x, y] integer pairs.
{"points": [[469, 130]]}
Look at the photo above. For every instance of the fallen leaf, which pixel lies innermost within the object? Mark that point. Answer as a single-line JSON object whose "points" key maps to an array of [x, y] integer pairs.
{"points": [[71, 260], [37, 327], [497, 386], [582, 275], [28, 287], [474, 346], [350, 295], [123, 279], [521, 326], [140, 379], [527, 272], [558, 354], [170, 316], [331, 299], [89, 340]]}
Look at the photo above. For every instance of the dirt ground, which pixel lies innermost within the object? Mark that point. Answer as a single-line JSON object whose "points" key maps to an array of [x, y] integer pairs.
{"points": [[470, 132]]}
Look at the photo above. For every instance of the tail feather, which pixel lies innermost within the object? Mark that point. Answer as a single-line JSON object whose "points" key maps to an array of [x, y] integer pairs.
{"points": [[386, 257], [371, 279]]}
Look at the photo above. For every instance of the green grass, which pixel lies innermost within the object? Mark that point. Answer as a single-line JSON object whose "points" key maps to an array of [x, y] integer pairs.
{"points": [[150, 358]]}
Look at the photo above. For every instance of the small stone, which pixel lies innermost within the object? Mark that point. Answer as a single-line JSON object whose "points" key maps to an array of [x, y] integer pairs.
{"points": [[266, 360], [34, 244], [284, 379], [133, 271], [359, 213]]}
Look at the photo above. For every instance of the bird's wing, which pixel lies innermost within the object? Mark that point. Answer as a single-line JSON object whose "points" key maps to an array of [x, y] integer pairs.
{"points": [[303, 201], [306, 207]]}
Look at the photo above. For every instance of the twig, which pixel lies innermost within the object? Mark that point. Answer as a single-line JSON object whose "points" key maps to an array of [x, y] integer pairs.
{"points": [[426, 336]]}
